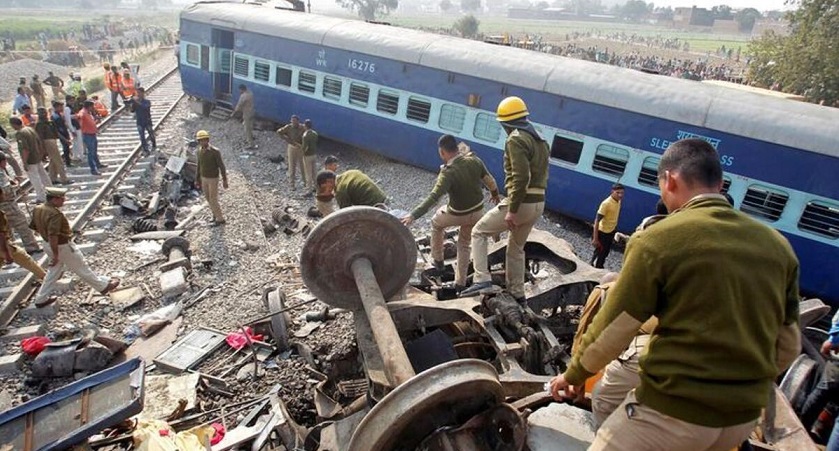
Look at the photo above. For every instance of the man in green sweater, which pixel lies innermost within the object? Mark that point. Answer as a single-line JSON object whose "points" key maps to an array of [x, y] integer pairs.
{"points": [[350, 188], [525, 179], [310, 154], [461, 177], [724, 288], [210, 167]]}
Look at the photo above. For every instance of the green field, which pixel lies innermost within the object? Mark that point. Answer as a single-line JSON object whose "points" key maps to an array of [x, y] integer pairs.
{"points": [[557, 29]]}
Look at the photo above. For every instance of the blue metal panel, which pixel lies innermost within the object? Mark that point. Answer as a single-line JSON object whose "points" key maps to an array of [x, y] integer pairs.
{"points": [[197, 82]]}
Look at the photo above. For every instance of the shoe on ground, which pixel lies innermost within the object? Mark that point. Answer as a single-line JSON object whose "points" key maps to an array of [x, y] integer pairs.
{"points": [[95, 173], [476, 289], [67, 182], [48, 301], [113, 283], [216, 223], [33, 251], [102, 165]]}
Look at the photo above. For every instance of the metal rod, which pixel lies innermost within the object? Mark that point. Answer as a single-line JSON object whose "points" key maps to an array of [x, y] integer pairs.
{"points": [[398, 368]]}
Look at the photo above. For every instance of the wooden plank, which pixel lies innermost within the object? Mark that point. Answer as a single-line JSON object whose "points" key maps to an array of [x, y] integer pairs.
{"points": [[157, 235]]}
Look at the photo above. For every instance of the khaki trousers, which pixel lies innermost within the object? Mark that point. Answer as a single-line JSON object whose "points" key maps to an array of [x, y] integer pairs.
{"points": [[40, 179], [635, 427], [17, 219], [492, 224], [295, 160], [439, 223], [71, 259], [26, 262], [619, 378], [56, 169], [309, 162], [210, 188], [247, 123]]}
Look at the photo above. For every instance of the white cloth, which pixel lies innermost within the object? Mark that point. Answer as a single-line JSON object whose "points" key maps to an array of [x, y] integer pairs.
{"points": [[40, 179], [71, 259]]}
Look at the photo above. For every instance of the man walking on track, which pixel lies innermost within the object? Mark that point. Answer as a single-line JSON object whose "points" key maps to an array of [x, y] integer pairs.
{"points": [[49, 221], [32, 154]]}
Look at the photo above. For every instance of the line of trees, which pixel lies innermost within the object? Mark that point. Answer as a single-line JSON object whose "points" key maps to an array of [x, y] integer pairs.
{"points": [[806, 62]]}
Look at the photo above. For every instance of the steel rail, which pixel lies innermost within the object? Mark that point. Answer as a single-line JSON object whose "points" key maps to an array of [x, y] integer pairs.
{"points": [[25, 289]]}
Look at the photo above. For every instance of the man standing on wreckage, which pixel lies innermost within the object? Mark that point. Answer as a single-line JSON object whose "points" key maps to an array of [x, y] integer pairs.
{"points": [[725, 290]]}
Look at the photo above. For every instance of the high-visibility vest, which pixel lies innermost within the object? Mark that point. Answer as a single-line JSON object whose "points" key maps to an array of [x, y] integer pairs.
{"points": [[28, 121], [112, 81], [128, 90], [101, 109]]}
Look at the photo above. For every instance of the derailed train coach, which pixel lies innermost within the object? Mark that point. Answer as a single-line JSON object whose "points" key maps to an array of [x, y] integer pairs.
{"points": [[395, 90]]}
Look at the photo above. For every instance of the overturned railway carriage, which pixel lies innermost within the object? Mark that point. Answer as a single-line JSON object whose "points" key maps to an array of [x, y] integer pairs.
{"points": [[395, 90]]}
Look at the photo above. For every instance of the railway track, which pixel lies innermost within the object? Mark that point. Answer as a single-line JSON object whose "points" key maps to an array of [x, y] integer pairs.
{"points": [[119, 148]]}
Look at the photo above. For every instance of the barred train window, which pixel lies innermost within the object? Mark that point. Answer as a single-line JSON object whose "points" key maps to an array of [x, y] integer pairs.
{"points": [[306, 82], [452, 118], [821, 218], [241, 66], [359, 94], [649, 172], [566, 149], [486, 127], [283, 76], [387, 102], [193, 54], [726, 184], [225, 61], [332, 87], [418, 110], [610, 160], [261, 71], [764, 202]]}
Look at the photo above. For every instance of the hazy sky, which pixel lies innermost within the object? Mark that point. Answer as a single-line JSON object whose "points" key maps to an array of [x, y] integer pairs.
{"points": [[761, 5]]}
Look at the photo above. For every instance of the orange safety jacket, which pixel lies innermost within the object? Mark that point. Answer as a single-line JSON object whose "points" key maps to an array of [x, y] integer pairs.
{"points": [[101, 109], [113, 81], [128, 89], [28, 121]]}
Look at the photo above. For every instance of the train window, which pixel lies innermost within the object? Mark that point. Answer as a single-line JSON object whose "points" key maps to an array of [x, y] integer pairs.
{"points": [[261, 71], [820, 218], [193, 54], [283, 76], [332, 87], [610, 160], [241, 66], [726, 184], [387, 102], [486, 127], [649, 172], [452, 118], [566, 149], [764, 202], [359, 94], [418, 110], [306, 82]]}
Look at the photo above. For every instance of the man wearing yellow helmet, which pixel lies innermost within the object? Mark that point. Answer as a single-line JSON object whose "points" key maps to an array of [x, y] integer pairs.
{"points": [[210, 166], [525, 179]]}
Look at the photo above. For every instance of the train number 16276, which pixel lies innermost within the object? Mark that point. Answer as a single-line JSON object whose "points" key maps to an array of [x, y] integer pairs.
{"points": [[361, 65]]}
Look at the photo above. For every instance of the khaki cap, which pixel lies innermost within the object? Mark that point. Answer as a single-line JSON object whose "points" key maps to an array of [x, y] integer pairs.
{"points": [[56, 192]]}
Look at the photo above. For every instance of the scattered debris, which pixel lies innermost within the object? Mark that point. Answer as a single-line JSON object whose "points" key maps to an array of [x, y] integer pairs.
{"points": [[196, 346]]}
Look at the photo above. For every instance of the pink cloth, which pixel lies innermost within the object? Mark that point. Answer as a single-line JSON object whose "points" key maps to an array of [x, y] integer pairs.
{"points": [[238, 340]]}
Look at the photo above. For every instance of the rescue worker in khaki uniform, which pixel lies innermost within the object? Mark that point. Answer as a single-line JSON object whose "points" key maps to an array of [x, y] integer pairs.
{"points": [[32, 153], [461, 177], [724, 288], [210, 166], [14, 254], [309, 148], [292, 134], [52, 225], [350, 188], [38, 92], [14, 215], [48, 132], [525, 179], [245, 108]]}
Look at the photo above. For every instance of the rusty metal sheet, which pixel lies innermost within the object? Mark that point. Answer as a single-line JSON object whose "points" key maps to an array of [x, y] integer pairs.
{"points": [[71, 414], [190, 350]]}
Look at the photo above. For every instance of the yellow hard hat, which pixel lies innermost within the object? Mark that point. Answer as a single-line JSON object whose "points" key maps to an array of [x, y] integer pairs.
{"points": [[510, 109], [202, 134]]}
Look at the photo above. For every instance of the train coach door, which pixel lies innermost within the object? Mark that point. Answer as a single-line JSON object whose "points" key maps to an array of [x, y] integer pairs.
{"points": [[222, 76]]}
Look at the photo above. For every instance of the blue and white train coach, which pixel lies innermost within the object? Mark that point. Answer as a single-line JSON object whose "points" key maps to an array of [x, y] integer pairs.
{"points": [[396, 90]]}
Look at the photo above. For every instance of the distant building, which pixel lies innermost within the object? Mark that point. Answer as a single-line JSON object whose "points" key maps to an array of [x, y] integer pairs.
{"points": [[779, 27], [726, 26], [692, 17]]}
